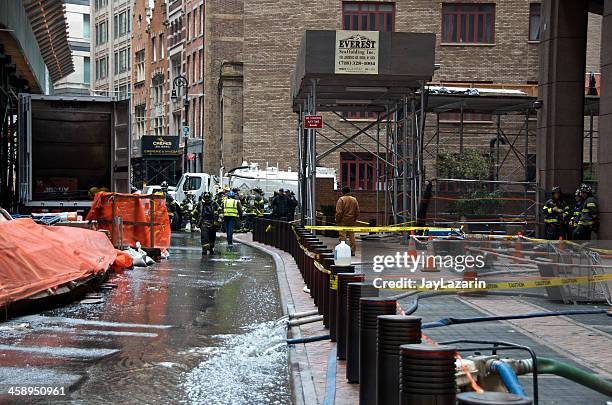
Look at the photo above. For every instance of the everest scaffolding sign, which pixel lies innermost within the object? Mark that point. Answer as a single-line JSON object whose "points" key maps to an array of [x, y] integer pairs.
{"points": [[357, 52]]}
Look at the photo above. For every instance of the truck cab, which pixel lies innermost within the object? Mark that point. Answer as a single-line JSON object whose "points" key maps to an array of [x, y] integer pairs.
{"points": [[196, 183]]}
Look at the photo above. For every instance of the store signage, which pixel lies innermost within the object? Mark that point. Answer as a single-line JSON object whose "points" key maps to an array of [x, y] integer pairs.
{"points": [[160, 145], [357, 52]]}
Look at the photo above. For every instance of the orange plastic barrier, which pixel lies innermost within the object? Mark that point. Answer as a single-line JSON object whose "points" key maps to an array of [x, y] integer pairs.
{"points": [[123, 261], [144, 218], [34, 257]]}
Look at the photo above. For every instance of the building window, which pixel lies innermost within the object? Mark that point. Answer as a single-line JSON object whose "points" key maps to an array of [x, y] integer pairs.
{"points": [[158, 125], [122, 60], [100, 3], [86, 28], [161, 46], [121, 24], [158, 89], [140, 114], [534, 21], [368, 16], [101, 33], [468, 23], [86, 70], [122, 92], [140, 66], [101, 67], [358, 170], [154, 49]]}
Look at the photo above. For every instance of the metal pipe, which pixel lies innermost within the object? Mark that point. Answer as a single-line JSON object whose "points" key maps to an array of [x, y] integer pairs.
{"points": [[307, 339], [305, 320]]}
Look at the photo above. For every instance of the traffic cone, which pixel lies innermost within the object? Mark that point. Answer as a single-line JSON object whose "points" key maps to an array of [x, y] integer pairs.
{"points": [[430, 262], [412, 252], [518, 246]]}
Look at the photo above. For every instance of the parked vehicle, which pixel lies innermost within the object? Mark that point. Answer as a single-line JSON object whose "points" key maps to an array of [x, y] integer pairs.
{"points": [[196, 183], [70, 148]]}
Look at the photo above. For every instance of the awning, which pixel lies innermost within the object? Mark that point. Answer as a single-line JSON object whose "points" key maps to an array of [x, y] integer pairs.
{"points": [[48, 22]]}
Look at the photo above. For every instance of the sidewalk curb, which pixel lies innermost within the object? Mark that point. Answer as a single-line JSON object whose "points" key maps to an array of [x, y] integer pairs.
{"points": [[302, 382]]}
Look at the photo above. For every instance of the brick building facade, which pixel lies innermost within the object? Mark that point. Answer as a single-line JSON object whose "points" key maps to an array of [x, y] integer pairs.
{"points": [[264, 36]]}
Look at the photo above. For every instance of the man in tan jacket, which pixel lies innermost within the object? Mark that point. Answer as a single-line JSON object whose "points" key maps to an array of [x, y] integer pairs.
{"points": [[347, 211]]}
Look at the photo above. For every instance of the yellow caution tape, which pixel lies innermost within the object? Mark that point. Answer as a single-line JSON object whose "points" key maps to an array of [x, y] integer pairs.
{"points": [[320, 267], [510, 285]]}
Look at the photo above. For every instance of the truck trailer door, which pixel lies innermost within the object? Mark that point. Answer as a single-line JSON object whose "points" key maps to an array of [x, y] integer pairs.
{"points": [[121, 144]]}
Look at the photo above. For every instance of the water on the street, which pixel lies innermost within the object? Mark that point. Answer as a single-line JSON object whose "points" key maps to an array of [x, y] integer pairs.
{"points": [[193, 329]]}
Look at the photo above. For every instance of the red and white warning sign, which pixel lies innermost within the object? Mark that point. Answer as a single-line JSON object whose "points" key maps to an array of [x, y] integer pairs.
{"points": [[313, 122]]}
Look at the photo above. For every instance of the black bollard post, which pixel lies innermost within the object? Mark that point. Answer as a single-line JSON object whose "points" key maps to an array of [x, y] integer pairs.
{"points": [[491, 398], [333, 297], [328, 263], [321, 286], [427, 375], [342, 309], [393, 331], [315, 277], [370, 310], [356, 291]]}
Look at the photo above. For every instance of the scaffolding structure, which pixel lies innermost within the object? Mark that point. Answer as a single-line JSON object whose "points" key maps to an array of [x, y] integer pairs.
{"points": [[406, 135], [405, 64]]}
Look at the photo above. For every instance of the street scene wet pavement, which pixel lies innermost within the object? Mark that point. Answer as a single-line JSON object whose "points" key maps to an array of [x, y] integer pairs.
{"points": [[192, 329]]}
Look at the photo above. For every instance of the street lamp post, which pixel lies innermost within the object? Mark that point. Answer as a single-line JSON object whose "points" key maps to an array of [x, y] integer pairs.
{"points": [[178, 83]]}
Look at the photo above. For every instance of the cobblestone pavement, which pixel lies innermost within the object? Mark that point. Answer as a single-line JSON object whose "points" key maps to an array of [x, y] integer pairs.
{"points": [[584, 342]]}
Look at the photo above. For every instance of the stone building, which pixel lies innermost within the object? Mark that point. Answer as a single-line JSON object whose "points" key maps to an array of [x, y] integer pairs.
{"points": [[251, 47]]}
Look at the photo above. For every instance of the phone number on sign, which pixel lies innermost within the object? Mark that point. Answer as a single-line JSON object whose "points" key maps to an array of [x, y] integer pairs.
{"points": [[36, 391]]}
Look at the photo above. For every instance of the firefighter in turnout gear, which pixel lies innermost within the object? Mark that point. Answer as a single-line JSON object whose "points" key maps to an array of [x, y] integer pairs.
{"points": [[232, 211], [555, 215], [172, 207], [250, 210], [259, 203], [575, 214], [588, 221], [208, 222], [187, 208]]}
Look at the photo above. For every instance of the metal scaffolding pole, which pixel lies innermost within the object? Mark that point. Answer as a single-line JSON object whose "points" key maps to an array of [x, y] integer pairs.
{"points": [[313, 156], [405, 163]]}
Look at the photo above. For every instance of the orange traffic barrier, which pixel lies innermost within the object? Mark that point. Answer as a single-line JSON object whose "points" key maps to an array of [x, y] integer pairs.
{"points": [[131, 218]]}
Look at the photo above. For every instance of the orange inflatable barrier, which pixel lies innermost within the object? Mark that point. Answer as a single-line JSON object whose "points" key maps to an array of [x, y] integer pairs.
{"points": [[132, 218], [34, 258]]}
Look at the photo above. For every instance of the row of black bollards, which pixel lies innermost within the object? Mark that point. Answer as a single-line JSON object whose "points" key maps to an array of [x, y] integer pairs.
{"points": [[383, 351]]}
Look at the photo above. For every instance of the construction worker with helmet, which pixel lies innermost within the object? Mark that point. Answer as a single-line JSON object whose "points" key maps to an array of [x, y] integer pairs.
{"points": [[555, 215], [208, 222], [575, 214], [232, 211], [588, 222], [251, 211]]}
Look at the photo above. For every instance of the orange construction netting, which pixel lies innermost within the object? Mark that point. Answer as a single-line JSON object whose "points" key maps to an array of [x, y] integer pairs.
{"points": [[132, 218], [34, 257]]}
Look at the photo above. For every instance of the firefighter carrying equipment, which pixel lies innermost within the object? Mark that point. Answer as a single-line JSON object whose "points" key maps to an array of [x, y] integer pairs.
{"points": [[230, 207], [36, 258]]}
